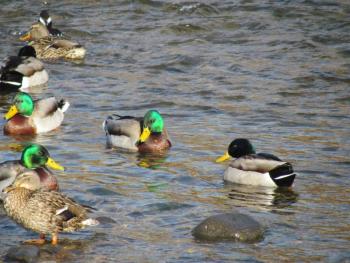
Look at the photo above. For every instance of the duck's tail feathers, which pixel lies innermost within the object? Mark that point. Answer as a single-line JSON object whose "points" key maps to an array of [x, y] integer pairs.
{"points": [[109, 118], [90, 222], [63, 105], [104, 123], [11, 80], [283, 175]]}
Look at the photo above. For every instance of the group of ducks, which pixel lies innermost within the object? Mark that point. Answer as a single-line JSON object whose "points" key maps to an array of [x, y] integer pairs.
{"points": [[30, 190]]}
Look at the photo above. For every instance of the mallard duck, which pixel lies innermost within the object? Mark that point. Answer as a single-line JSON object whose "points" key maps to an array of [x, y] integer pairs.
{"points": [[255, 169], [34, 161], [46, 20], [49, 47], [43, 211], [145, 134], [27, 117], [23, 71]]}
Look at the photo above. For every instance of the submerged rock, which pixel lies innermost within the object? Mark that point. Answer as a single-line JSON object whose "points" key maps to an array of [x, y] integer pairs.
{"points": [[24, 253], [231, 226]]}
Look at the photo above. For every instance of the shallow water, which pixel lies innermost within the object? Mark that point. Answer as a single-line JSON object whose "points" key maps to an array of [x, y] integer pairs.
{"points": [[277, 73]]}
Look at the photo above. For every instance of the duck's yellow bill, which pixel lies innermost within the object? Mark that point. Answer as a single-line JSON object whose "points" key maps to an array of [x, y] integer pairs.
{"points": [[26, 37], [225, 157], [8, 189], [12, 112], [52, 164], [145, 134]]}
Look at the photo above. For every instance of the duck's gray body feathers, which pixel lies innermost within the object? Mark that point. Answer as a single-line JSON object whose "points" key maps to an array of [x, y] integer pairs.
{"points": [[260, 169], [123, 131]]}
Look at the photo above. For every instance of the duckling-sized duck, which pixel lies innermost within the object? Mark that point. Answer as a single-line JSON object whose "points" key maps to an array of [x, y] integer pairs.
{"points": [[23, 71], [46, 20], [34, 161], [43, 211], [144, 135], [27, 117], [49, 47], [255, 169]]}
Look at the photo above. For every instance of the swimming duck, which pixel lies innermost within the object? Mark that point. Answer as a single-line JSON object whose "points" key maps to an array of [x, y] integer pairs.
{"points": [[49, 47], [23, 71], [145, 134], [255, 169], [46, 20], [34, 161], [43, 211], [27, 117]]}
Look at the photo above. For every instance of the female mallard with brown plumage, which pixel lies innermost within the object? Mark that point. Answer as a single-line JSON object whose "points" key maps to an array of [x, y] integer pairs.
{"points": [[35, 160], [253, 168], [43, 211], [50, 47], [144, 135], [27, 117]]}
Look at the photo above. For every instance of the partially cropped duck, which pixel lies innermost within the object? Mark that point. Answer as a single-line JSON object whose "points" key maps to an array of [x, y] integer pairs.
{"points": [[46, 20], [28, 117], [144, 135], [35, 160], [49, 47], [23, 71], [255, 169], [43, 211]]}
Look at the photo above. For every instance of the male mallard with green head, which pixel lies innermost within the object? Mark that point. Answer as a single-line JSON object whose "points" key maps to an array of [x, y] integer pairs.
{"points": [[255, 169], [144, 135], [27, 117], [43, 211], [35, 160]]}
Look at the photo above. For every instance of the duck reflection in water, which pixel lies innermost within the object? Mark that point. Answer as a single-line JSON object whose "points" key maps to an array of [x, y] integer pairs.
{"points": [[265, 198], [152, 161]]}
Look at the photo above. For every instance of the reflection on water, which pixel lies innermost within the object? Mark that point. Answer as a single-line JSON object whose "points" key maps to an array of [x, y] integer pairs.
{"points": [[261, 198], [152, 161], [274, 72]]}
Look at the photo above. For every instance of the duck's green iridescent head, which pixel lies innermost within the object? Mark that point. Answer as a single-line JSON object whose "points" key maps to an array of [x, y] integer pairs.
{"points": [[237, 148], [152, 123], [22, 104], [36, 156]]}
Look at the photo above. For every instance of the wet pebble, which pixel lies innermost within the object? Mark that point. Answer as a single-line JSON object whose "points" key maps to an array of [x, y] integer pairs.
{"points": [[24, 253], [105, 220], [230, 226]]}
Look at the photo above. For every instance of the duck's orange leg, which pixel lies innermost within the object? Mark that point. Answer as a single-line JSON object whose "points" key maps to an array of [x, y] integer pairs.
{"points": [[54, 240], [40, 241]]}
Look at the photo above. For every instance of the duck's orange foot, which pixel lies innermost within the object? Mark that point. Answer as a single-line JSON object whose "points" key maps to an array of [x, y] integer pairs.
{"points": [[54, 240], [40, 241], [35, 242]]}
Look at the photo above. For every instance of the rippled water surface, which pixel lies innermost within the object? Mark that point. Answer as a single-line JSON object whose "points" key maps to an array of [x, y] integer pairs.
{"points": [[276, 72]]}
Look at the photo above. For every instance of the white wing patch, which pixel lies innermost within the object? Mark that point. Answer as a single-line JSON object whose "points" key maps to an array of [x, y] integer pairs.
{"points": [[60, 211], [90, 222]]}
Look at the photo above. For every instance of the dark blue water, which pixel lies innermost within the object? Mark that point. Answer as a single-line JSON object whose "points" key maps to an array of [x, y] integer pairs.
{"points": [[274, 72]]}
